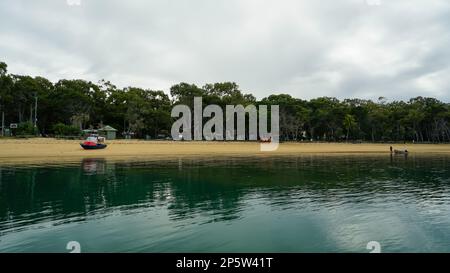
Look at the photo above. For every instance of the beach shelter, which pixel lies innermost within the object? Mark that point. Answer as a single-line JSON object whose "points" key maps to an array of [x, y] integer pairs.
{"points": [[108, 132]]}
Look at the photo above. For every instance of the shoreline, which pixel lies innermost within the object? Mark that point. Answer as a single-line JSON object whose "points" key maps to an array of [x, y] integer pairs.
{"points": [[42, 150]]}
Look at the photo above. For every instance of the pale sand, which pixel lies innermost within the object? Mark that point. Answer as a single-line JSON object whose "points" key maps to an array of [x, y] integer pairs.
{"points": [[47, 150]]}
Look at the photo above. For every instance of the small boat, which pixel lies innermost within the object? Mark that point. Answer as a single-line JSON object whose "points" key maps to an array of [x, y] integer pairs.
{"points": [[401, 152], [266, 140], [93, 146], [94, 143]]}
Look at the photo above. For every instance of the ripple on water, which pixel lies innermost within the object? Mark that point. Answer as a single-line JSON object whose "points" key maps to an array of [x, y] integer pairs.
{"points": [[269, 204]]}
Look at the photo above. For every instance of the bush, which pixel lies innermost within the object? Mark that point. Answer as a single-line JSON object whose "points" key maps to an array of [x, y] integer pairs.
{"points": [[61, 129], [26, 128]]}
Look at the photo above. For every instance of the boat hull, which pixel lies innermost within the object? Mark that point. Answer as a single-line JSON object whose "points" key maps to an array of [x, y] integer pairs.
{"points": [[93, 147]]}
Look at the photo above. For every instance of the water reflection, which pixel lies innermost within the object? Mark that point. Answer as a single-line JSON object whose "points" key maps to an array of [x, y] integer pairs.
{"points": [[93, 166], [202, 191]]}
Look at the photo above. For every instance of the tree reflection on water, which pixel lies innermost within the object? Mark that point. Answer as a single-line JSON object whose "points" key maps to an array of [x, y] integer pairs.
{"points": [[213, 188]]}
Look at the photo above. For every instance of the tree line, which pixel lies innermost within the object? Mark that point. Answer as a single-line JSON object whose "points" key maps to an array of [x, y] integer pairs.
{"points": [[70, 105]]}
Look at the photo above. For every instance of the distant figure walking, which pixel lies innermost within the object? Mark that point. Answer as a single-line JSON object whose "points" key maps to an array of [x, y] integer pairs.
{"points": [[391, 150]]}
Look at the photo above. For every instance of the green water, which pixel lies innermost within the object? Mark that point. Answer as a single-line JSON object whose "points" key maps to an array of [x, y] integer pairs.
{"points": [[261, 204]]}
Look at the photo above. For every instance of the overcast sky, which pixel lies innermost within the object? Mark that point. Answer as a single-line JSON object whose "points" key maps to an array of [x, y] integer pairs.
{"points": [[342, 48]]}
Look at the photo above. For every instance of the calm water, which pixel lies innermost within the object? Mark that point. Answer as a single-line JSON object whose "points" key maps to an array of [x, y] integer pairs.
{"points": [[283, 204]]}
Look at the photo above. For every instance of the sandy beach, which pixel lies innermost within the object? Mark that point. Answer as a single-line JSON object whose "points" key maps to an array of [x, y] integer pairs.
{"points": [[44, 149]]}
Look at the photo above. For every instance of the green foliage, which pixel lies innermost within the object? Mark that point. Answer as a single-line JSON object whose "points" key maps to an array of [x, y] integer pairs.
{"points": [[349, 123], [3, 68], [144, 112], [61, 129], [25, 129]]}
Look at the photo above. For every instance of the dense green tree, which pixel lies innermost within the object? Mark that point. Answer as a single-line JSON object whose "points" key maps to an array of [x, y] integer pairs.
{"points": [[349, 124], [146, 112]]}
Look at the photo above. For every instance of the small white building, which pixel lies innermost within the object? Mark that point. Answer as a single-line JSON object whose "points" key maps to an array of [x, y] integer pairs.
{"points": [[108, 132]]}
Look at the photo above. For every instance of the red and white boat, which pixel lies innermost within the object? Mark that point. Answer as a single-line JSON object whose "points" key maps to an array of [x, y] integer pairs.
{"points": [[94, 142]]}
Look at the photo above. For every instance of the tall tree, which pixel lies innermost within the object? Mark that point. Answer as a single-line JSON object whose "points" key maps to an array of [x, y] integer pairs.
{"points": [[349, 124]]}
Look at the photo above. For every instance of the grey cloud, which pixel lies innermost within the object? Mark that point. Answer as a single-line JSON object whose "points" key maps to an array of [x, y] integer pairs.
{"points": [[342, 48]]}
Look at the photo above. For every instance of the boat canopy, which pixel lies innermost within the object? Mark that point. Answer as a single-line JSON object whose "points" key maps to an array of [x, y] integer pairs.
{"points": [[92, 139]]}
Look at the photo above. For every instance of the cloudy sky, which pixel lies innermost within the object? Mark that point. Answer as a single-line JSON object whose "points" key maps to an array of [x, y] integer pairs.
{"points": [[310, 48]]}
